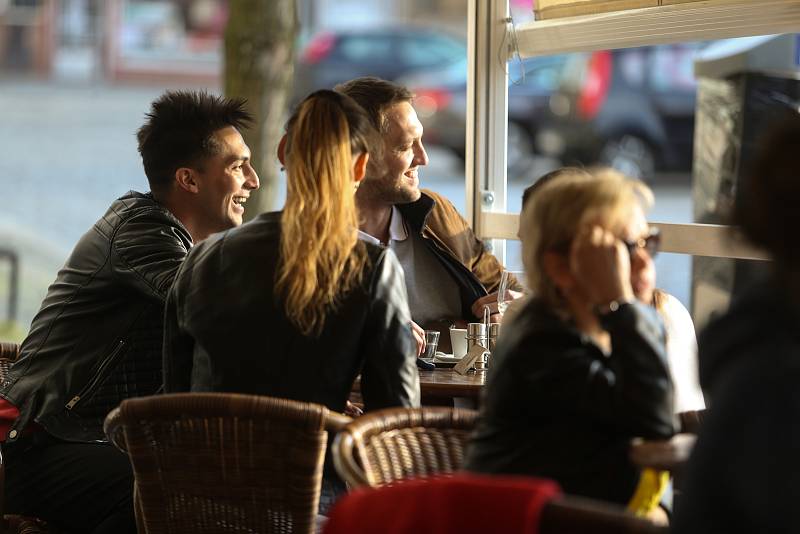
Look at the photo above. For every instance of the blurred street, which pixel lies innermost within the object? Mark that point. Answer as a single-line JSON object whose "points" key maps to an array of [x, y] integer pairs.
{"points": [[70, 149]]}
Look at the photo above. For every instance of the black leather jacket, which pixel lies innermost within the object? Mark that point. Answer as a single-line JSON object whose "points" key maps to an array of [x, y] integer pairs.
{"points": [[226, 332], [97, 338], [555, 406]]}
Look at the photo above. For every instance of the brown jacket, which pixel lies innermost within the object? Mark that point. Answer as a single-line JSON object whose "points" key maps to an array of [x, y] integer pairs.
{"points": [[475, 270]]}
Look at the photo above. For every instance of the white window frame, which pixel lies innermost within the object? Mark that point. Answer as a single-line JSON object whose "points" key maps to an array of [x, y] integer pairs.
{"points": [[489, 46]]}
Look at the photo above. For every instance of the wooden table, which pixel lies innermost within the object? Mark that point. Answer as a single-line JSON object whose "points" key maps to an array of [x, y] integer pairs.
{"points": [[446, 383], [441, 386], [668, 455]]}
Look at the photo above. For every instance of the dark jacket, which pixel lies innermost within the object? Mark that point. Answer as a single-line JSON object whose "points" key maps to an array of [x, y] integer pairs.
{"points": [[226, 332], [555, 406], [97, 338], [744, 472], [476, 271]]}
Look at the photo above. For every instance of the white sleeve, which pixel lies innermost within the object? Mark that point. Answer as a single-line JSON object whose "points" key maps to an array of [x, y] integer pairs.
{"points": [[682, 355]]}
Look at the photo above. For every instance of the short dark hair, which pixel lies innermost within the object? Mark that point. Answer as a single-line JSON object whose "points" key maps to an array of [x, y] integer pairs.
{"points": [[375, 95], [545, 178], [766, 203], [179, 132]]}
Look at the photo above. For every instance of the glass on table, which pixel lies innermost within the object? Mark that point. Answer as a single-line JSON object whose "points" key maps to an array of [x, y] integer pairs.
{"points": [[431, 344], [503, 298]]}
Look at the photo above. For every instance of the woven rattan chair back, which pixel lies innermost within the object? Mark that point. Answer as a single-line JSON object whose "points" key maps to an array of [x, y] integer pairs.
{"points": [[215, 463], [398, 443], [9, 351]]}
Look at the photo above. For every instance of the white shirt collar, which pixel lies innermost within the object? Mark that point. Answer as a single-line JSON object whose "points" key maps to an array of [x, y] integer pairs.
{"points": [[397, 229]]}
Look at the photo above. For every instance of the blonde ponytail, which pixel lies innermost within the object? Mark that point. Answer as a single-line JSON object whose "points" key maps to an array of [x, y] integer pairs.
{"points": [[322, 258]]}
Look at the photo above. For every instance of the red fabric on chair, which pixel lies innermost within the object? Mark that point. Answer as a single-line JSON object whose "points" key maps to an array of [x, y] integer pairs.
{"points": [[458, 504], [8, 414]]}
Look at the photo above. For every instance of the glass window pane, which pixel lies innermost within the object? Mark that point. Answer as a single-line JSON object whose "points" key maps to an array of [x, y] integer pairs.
{"points": [[645, 112]]}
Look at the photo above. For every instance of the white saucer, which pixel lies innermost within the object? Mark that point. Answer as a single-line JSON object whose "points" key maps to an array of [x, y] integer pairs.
{"points": [[446, 358]]}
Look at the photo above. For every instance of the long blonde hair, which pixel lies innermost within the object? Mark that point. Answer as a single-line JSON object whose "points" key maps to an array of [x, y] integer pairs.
{"points": [[322, 258]]}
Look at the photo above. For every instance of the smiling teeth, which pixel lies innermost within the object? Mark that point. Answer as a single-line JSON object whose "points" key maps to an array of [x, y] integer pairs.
{"points": [[240, 200]]}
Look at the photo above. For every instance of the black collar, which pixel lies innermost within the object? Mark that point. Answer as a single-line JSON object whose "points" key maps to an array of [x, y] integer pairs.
{"points": [[416, 213]]}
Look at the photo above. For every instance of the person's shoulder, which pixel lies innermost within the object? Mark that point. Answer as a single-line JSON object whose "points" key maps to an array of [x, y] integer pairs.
{"points": [[140, 208], [440, 202], [749, 332], [443, 214], [534, 320], [673, 311], [265, 227], [257, 237]]}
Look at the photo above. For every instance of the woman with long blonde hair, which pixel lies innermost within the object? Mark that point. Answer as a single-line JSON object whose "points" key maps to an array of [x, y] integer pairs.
{"points": [[293, 304]]}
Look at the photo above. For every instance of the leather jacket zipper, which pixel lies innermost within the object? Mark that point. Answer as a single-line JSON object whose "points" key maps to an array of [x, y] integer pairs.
{"points": [[95, 380]]}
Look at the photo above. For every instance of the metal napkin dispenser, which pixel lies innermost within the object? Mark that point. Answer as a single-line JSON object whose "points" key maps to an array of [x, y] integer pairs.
{"points": [[477, 349]]}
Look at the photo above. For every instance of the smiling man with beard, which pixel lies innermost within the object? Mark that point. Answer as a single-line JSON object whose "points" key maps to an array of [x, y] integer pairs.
{"points": [[97, 338], [450, 276]]}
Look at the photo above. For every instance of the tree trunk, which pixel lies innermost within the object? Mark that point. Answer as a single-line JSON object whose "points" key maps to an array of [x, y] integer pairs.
{"points": [[259, 66]]}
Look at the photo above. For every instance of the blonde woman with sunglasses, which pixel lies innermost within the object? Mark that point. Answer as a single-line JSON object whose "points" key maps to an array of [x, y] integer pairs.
{"points": [[582, 368]]}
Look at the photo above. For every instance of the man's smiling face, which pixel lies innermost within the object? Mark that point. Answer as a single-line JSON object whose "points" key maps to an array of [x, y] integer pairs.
{"points": [[403, 155], [226, 180]]}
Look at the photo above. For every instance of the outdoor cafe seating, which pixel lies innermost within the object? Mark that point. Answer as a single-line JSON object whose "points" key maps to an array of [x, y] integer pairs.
{"points": [[212, 462], [223, 462], [388, 445]]}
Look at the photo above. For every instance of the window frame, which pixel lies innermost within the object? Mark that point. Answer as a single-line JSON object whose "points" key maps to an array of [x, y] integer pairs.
{"points": [[492, 40]]}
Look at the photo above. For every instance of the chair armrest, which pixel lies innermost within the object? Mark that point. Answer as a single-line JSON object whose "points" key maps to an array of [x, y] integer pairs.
{"points": [[9, 350], [335, 422], [5, 365], [113, 429], [570, 514], [344, 460]]}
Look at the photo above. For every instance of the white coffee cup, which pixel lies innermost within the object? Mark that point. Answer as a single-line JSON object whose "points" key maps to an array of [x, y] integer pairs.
{"points": [[458, 340]]}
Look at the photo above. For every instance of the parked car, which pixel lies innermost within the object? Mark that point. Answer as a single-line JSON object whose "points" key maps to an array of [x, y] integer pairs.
{"points": [[441, 102], [389, 53], [632, 109]]}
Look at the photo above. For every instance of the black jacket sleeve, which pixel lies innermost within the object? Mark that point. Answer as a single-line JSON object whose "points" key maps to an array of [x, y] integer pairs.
{"points": [[147, 251], [631, 387], [178, 345], [389, 376]]}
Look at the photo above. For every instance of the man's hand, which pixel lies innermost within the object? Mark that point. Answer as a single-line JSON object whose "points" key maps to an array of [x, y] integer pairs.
{"points": [[353, 410], [419, 337], [491, 301]]}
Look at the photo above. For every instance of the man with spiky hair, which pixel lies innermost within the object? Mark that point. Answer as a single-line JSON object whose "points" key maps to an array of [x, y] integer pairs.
{"points": [[97, 338]]}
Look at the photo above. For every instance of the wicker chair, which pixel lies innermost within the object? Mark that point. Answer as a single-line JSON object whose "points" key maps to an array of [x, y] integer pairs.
{"points": [[398, 443], [219, 462], [13, 523]]}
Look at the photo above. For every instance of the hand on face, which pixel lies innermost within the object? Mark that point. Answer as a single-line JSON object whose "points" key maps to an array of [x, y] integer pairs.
{"points": [[600, 265]]}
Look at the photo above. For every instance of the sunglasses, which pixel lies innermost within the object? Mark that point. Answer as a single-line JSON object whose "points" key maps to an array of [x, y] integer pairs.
{"points": [[651, 243]]}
